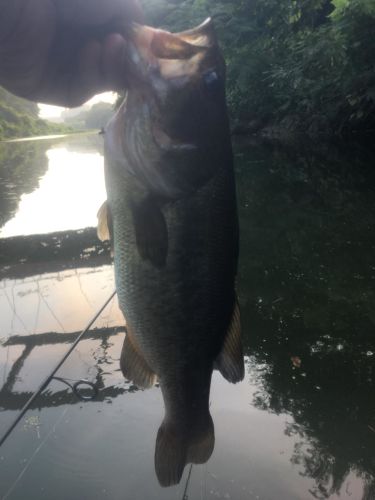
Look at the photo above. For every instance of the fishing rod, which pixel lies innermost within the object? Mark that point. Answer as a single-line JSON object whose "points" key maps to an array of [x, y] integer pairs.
{"points": [[48, 379]]}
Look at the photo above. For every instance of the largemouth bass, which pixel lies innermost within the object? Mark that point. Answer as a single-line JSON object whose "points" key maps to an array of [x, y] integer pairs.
{"points": [[171, 215]]}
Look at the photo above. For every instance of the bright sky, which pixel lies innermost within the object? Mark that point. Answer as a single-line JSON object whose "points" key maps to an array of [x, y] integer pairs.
{"points": [[47, 111]]}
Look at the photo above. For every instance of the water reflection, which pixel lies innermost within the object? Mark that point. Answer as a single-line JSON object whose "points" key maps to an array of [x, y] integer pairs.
{"points": [[50, 186], [27, 370], [302, 424], [21, 167], [307, 286]]}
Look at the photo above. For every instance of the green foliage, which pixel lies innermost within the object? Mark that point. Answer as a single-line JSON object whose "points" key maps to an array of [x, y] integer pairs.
{"points": [[328, 75], [19, 118], [93, 117], [299, 63], [98, 115]]}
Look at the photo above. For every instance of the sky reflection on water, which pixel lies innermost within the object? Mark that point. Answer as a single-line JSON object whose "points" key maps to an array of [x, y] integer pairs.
{"points": [[68, 196]]}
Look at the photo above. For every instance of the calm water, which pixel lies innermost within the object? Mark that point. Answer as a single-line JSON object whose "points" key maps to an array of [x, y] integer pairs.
{"points": [[300, 426]]}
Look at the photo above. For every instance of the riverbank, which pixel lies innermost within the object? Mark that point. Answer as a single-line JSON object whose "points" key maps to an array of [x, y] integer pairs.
{"points": [[20, 118], [290, 131], [72, 133]]}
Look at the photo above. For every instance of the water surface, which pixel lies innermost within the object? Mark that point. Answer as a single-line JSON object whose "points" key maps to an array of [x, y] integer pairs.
{"points": [[50, 185], [302, 423]]}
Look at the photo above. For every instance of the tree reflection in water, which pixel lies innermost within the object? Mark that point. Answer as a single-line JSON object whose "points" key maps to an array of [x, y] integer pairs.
{"points": [[307, 293], [21, 167], [14, 400], [23, 164]]}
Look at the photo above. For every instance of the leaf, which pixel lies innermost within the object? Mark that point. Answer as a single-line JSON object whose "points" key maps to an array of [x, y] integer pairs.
{"points": [[296, 361]]}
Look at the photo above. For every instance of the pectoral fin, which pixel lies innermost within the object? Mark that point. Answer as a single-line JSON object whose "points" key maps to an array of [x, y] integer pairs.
{"points": [[151, 232], [133, 365], [104, 229], [230, 361]]}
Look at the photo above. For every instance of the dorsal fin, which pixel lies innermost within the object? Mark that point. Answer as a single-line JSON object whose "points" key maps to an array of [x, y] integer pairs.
{"points": [[230, 361]]}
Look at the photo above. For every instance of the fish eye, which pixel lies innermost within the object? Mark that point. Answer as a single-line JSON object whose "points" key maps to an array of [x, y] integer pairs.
{"points": [[211, 79]]}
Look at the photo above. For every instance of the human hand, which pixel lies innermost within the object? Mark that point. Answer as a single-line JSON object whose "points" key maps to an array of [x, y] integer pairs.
{"points": [[63, 52]]}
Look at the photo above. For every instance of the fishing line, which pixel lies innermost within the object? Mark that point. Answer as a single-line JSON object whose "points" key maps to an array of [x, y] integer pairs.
{"points": [[45, 383], [36, 451], [185, 496], [80, 385]]}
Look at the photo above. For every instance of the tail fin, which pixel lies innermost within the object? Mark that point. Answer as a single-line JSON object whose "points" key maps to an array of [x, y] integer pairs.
{"points": [[170, 454], [201, 442], [177, 446]]}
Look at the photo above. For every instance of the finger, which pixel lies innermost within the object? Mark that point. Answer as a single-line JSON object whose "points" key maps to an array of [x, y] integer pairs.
{"points": [[89, 79], [74, 86], [98, 67], [112, 62], [25, 48], [93, 12]]}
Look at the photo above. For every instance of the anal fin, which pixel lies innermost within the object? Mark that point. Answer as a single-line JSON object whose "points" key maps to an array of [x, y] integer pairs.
{"points": [[133, 365], [230, 361]]}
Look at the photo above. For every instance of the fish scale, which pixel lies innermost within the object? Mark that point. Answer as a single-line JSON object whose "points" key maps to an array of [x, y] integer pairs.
{"points": [[158, 303]]}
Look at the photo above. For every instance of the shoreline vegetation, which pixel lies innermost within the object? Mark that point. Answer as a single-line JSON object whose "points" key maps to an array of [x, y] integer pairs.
{"points": [[301, 67], [19, 119], [50, 136]]}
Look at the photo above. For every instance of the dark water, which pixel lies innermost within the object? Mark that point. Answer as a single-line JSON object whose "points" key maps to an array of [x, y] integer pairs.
{"points": [[300, 426]]}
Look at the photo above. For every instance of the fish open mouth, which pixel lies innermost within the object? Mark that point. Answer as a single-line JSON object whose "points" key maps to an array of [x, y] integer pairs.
{"points": [[169, 75], [173, 55], [160, 61]]}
